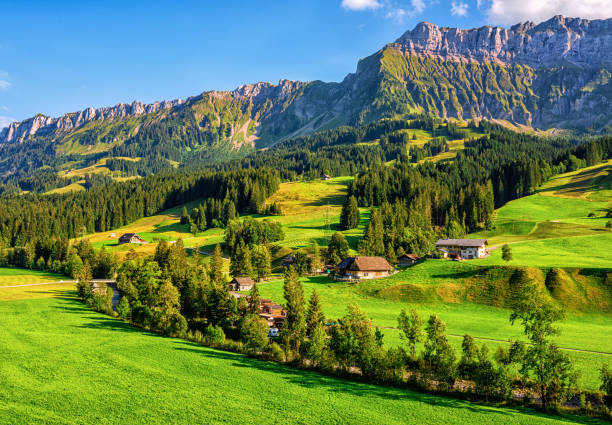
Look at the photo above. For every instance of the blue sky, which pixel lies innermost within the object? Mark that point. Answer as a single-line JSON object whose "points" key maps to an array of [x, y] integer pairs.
{"points": [[58, 57]]}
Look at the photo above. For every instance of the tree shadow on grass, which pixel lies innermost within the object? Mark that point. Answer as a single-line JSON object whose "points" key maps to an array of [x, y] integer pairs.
{"points": [[311, 379]]}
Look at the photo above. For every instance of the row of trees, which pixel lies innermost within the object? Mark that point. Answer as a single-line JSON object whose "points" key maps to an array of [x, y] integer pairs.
{"points": [[79, 261], [167, 294]]}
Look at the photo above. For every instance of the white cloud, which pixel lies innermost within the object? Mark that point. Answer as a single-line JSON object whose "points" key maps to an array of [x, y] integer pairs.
{"points": [[508, 12], [5, 121], [459, 8], [4, 82], [396, 14], [418, 5], [360, 4]]}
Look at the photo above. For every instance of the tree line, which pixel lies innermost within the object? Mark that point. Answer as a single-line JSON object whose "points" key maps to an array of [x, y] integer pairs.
{"points": [[191, 300]]}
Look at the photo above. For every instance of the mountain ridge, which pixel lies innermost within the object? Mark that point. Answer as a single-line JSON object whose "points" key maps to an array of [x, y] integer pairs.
{"points": [[556, 74]]}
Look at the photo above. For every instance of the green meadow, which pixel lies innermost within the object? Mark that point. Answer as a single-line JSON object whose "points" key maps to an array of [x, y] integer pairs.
{"points": [[439, 292], [11, 277], [61, 363]]}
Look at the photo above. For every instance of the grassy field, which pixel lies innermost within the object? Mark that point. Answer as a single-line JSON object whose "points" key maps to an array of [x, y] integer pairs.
{"points": [[562, 225], [431, 288], [311, 212], [61, 363], [10, 276]]}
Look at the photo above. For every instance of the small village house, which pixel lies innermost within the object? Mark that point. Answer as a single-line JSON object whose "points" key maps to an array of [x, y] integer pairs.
{"points": [[408, 259], [462, 249], [288, 261], [275, 314], [325, 177], [354, 268], [131, 238], [241, 284]]}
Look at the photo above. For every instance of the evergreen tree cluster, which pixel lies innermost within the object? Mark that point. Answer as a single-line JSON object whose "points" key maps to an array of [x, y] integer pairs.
{"points": [[25, 219], [252, 232]]}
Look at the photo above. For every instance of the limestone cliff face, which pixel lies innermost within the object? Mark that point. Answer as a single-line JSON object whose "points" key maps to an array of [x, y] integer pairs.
{"points": [[554, 74], [584, 43]]}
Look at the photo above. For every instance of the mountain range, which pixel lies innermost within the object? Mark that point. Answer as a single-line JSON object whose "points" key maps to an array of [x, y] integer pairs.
{"points": [[556, 74]]}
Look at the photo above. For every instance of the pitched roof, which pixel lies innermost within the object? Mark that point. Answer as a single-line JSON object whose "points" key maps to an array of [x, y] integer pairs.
{"points": [[128, 235], [414, 257], [461, 242], [371, 264], [346, 262], [243, 280]]}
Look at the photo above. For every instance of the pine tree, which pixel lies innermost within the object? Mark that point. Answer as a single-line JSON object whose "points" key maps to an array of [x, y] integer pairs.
{"points": [[349, 217], [185, 219], [315, 315], [216, 266], [337, 249], [241, 264], [262, 261], [294, 329], [254, 300], [372, 242]]}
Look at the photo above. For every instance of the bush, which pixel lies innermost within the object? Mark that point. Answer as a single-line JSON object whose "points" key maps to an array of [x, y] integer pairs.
{"points": [[254, 333], [214, 336], [142, 315], [123, 309], [276, 352], [605, 374]]}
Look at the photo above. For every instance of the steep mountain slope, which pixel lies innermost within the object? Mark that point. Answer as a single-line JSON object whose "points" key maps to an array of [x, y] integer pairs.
{"points": [[555, 74]]}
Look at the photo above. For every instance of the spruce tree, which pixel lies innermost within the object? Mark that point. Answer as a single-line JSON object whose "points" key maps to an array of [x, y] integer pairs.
{"points": [[349, 217], [216, 266], [185, 216], [254, 300], [294, 329], [338, 248], [262, 261], [315, 315], [241, 264], [372, 242]]}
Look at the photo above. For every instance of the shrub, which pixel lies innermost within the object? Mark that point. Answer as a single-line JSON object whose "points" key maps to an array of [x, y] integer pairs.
{"points": [[123, 309], [605, 374], [254, 333], [214, 336]]}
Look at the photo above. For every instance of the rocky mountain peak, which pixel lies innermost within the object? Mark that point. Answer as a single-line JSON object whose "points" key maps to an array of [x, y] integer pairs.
{"points": [[41, 125], [557, 40]]}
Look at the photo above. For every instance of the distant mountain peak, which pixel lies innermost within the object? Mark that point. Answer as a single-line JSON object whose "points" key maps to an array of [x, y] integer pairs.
{"points": [[564, 81]]}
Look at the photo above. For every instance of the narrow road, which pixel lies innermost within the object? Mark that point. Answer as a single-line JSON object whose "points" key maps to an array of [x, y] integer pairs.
{"points": [[57, 283], [37, 284]]}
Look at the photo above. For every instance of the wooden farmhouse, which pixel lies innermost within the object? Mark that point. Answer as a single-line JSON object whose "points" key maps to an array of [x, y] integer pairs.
{"points": [[462, 249], [355, 268], [325, 177], [408, 259], [274, 314], [131, 238], [241, 284]]}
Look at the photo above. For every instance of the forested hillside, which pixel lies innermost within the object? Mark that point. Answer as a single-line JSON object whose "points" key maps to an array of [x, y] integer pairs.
{"points": [[413, 77]]}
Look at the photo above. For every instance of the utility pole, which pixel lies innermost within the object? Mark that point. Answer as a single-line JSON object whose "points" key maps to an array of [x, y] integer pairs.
{"points": [[327, 221]]}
